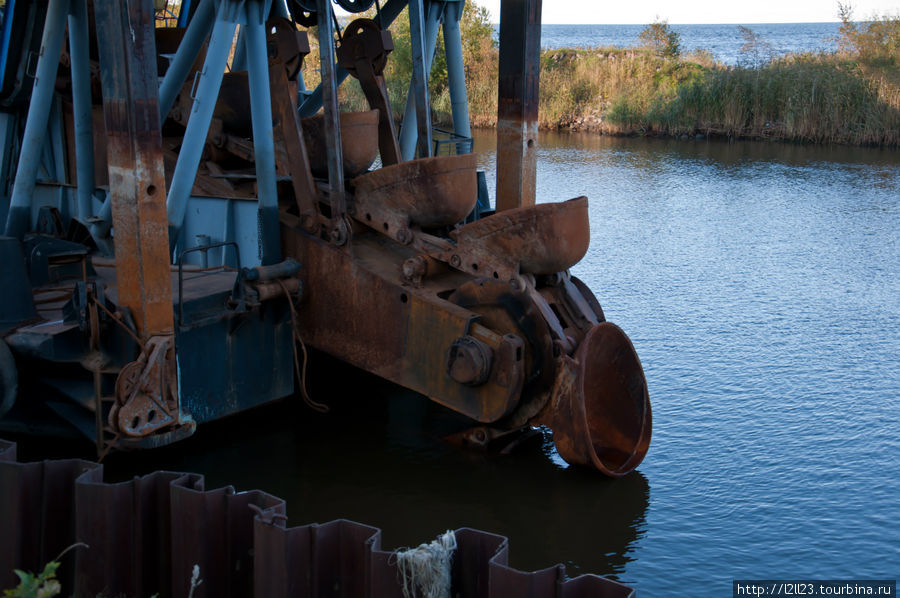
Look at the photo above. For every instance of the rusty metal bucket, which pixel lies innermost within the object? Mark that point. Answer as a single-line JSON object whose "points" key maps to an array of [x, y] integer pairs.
{"points": [[430, 192], [359, 142], [600, 411], [544, 238]]}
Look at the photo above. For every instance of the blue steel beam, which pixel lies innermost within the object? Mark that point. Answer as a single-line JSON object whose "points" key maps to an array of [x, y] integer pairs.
{"points": [[263, 140], [210, 81], [187, 53], [420, 76], [18, 221], [456, 70], [79, 49], [409, 133]]}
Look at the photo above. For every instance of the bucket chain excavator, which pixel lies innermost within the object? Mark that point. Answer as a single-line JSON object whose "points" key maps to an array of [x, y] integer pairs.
{"points": [[182, 213]]}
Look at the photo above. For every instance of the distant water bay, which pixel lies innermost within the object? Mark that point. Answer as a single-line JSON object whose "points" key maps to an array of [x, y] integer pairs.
{"points": [[724, 41]]}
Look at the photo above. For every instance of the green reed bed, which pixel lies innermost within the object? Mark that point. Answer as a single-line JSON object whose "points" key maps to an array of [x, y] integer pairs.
{"points": [[811, 98], [851, 96]]}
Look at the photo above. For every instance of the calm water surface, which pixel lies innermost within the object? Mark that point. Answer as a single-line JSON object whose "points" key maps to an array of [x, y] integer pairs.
{"points": [[761, 287]]}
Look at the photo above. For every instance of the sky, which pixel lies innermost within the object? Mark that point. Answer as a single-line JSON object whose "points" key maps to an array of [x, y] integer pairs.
{"points": [[698, 11]]}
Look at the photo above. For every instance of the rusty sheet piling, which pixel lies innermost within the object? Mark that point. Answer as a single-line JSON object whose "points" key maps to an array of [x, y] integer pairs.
{"points": [[145, 536]]}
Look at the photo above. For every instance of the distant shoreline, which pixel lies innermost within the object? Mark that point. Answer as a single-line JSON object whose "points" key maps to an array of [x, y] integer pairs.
{"points": [[826, 82]]}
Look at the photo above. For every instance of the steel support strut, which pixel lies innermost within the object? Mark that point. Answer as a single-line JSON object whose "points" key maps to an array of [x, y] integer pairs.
{"points": [[263, 140], [456, 70], [207, 92], [409, 132], [79, 49], [517, 106], [420, 69], [18, 222], [188, 50]]}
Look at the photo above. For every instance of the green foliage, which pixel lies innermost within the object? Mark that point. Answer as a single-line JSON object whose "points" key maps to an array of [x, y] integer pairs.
{"points": [[479, 56], [42, 585], [661, 38], [875, 42], [813, 98], [850, 97]]}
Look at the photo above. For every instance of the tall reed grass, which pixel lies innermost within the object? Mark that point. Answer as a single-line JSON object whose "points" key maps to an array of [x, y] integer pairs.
{"points": [[850, 97]]}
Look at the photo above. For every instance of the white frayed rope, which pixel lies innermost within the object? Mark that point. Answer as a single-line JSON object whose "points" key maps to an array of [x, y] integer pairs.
{"points": [[425, 571]]}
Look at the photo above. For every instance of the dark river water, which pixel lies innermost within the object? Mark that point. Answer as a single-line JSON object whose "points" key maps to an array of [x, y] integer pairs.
{"points": [[760, 284]]}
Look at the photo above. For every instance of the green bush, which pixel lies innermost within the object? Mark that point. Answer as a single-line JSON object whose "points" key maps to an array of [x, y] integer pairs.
{"points": [[661, 38]]}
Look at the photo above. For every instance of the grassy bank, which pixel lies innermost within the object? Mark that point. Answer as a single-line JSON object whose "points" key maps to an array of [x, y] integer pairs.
{"points": [[849, 97]]}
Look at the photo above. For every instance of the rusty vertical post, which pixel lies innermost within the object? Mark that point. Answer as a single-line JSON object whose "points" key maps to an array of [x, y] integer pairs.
{"points": [[335, 153], [517, 106], [137, 183]]}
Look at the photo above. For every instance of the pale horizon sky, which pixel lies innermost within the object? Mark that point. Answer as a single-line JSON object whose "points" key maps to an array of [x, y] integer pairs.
{"points": [[640, 12]]}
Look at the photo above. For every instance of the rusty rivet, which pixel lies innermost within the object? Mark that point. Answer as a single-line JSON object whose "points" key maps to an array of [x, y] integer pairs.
{"points": [[455, 261], [404, 236], [415, 268], [338, 235]]}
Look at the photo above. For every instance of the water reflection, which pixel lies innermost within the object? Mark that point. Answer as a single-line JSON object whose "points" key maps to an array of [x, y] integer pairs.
{"points": [[379, 457], [759, 283]]}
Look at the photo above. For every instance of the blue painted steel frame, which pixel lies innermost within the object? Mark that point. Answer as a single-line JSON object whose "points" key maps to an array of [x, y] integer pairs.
{"points": [[187, 52], [252, 17], [456, 70], [79, 48], [409, 130], [18, 220]]}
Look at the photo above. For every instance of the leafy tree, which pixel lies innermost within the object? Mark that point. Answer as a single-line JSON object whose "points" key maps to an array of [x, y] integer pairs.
{"points": [[661, 38]]}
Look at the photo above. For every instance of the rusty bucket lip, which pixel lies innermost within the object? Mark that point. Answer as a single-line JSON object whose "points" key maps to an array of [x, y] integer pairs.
{"points": [[643, 443], [544, 238], [429, 192], [566, 414], [387, 177]]}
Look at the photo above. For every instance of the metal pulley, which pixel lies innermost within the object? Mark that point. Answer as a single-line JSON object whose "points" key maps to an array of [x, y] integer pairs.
{"points": [[364, 40], [355, 5], [286, 45], [364, 51], [304, 12]]}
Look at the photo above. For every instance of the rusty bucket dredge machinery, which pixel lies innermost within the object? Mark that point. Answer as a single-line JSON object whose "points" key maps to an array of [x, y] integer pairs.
{"points": [[181, 212]]}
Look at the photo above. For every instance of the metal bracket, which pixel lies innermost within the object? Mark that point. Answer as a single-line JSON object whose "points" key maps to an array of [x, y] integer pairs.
{"points": [[147, 391]]}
